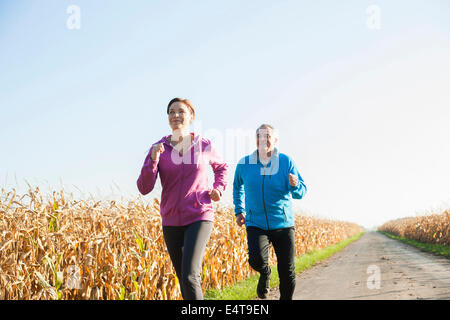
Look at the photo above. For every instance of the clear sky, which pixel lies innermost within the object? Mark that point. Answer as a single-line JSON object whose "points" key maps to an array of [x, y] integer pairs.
{"points": [[361, 99]]}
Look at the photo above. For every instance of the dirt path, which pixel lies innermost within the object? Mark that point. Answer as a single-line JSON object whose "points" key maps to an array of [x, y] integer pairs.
{"points": [[403, 271]]}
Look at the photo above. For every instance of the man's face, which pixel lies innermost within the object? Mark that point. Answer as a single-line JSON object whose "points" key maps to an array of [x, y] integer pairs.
{"points": [[265, 140]]}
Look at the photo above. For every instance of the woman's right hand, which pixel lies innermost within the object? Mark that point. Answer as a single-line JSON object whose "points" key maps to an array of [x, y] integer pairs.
{"points": [[157, 150], [240, 219]]}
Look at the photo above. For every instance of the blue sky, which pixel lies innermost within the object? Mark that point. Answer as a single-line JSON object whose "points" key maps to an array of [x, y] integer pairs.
{"points": [[363, 112]]}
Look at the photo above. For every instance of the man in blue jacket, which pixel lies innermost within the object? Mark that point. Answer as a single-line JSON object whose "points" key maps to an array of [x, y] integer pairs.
{"points": [[268, 180]]}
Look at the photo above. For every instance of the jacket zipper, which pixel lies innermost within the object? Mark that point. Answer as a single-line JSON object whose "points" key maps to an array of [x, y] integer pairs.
{"points": [[264, 204], [179, 192]]}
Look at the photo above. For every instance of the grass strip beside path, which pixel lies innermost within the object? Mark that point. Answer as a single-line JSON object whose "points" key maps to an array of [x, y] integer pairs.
{"points": [[246, 289], [435, 248]]}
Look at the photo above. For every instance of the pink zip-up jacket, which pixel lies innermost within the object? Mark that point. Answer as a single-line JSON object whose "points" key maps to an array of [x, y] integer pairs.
{"points": [[184, 180]]}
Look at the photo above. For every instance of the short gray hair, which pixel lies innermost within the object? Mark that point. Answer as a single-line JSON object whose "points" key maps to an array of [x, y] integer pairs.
{"points": [[265, 125]]}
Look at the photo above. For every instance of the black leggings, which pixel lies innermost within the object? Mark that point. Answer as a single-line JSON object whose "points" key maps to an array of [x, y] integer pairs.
{"points": [[186, 246], [283, 241]]}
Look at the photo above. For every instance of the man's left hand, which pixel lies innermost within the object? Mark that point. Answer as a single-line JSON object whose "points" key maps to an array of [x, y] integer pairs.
{"points": [[293, 180]]}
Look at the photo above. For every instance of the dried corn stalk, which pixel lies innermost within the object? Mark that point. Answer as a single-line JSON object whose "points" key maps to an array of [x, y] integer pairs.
{"points": [[61, 248]]}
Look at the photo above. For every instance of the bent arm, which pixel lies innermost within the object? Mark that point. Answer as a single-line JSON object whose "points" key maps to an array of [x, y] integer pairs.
{"points": [[148, 176], [298, 191], [220, 169]]}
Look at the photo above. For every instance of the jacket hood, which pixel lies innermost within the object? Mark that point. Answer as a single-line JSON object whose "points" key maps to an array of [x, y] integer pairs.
{"points": [[273, 164], [166, 139], [197, 140], [253, 158]]}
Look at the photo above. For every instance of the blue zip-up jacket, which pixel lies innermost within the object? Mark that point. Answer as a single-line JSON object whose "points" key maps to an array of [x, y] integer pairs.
{"points": [[267, 191]]}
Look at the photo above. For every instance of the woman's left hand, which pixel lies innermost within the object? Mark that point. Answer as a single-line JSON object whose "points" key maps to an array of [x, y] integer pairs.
{"points": [[215, 195]]}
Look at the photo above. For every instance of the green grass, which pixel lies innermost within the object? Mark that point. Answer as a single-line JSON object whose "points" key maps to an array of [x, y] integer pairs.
{"points": [[438, 249], [246, 289]]}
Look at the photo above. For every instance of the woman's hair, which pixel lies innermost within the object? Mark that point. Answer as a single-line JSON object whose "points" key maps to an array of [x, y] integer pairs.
{"points": [[186, 102]]}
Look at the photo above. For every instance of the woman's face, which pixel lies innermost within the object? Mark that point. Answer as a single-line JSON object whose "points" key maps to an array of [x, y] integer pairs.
{"points": [[180, 116]]}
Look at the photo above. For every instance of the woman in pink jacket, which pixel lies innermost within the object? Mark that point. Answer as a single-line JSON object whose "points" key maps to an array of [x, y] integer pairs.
{"points": [[182, 160]]}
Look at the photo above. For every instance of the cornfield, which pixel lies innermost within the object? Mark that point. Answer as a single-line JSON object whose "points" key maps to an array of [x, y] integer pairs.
{"points": [[62, 248], [433, 228]]}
